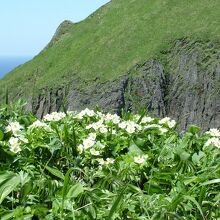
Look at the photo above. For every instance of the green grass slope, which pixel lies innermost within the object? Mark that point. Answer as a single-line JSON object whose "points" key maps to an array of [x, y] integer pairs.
{"points": [[113, 39]]}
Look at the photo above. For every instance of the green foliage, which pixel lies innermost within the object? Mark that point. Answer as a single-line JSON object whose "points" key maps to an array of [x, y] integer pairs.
{"points": [[112, 40], [91, 165]]}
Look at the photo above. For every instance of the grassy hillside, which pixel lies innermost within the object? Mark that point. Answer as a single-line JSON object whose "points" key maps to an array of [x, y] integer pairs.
{"points": [[113, 39]]}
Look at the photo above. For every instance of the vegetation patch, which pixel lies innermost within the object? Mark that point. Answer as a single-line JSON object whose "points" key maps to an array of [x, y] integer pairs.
{"points": [[90, 165]]}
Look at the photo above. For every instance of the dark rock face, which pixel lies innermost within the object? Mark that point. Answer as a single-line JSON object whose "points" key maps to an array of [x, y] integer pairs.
{"points": [[185, 86], [49, 101], [193, 95]]}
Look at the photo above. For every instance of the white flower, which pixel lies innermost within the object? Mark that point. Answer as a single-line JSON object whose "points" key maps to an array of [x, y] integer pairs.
{"points": [[113, 131], [87, 112], [171, 123], [146, 119], [164, 120], [101, 161], [163, 130], [14, 127], [39, 124], [92, 136], [80, 115], [140, 159], [122, 125], [94, 152], [213, 141], [23, 139], [129, 126], [130, 129], [89, 126], [116, 119], [103, 130], [105, 162], [54, 116], [15, 149], [139, 127], [96, 125], [14, 145], [87, 143], [80, 148], [13, 141], [213, 132], [109, 117], [100, 114], [131, 123], [109, 161]]}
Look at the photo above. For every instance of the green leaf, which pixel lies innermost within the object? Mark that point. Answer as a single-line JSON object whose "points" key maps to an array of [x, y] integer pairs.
{"points": [[141, 117], [197, 157], [196, 203], [194, 129], [66, 182], [182, 154], [7, 216], [54, 171], [65, 186], [75, 190], [116, 204], [152, 188], [8, 183], [88, 214], [210, 182], [1, 135], [140, 142], [190, 180], [134, 148]]}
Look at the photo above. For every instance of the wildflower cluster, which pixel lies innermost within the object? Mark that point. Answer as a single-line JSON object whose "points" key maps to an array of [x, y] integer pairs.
{"points": [[54, 116], [90, 157], [17, 137], [167, 121], [215, 138]]}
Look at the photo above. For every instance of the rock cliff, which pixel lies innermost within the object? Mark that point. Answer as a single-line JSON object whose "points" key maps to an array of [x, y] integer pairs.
{"points": [[184, 83]]}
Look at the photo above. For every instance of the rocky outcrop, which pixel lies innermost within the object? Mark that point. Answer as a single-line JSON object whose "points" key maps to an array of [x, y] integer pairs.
{"points": [[185, 85], [62, 30], [48, 101], [193, 89]]}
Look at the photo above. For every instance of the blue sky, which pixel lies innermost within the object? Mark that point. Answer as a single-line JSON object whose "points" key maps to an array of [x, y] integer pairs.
{"points": [[28, 25]]}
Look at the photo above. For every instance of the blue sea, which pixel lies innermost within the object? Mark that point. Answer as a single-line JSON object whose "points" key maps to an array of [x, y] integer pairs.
{"points": [[9, 63]]}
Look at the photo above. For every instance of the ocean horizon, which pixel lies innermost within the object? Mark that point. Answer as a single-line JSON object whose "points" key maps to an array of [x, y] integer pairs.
{"points": [[7, 63]]}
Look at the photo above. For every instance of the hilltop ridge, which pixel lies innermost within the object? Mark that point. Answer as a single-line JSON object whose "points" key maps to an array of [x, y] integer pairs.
{"points": [[63, 29]]}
